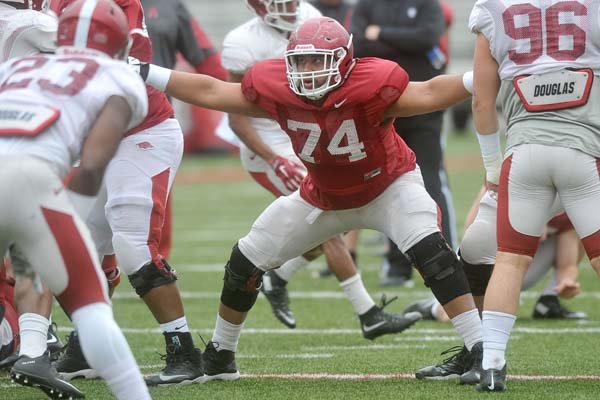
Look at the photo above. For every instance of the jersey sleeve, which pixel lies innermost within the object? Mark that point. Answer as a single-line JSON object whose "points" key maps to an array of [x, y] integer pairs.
{"points": [[141, 47], [255, 87], [236, 56], [481, 21], [43, 37], [392, 83], [131, 87]]}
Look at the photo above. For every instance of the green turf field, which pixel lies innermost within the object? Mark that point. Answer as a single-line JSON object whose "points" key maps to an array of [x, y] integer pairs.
{"points": [[331, 360]]}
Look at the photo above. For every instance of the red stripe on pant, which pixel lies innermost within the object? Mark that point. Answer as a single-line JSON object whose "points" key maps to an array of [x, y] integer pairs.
{"points": [[166, 234], [263, 180], [591, 243], [509, 240], [84, 286], [160, 185]]}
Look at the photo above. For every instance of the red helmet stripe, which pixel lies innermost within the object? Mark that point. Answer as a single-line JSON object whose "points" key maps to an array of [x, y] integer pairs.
{"points": [[84, 22]]}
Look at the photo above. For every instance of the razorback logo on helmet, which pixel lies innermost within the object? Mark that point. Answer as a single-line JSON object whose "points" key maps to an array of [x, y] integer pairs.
{"points": [[280, 14], [319, 57], [94, 24]]}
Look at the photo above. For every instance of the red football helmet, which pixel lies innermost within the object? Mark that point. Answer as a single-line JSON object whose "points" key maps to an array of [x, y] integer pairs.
{"points": [[280, 14], [94, 24], [323, 43]]}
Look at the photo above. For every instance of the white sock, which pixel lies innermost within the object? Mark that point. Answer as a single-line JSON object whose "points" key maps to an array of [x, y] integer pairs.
{"points": [[289, 268], [496, 331], [33, 329], [226, 334], [107, 351], [177, 325], [468, 326], [357, 294]]}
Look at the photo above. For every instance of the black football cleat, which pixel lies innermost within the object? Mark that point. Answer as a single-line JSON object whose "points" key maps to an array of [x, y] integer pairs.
{"points": [[184, 362], [39, 373], [55, 345], [450, 368], [473, 375], [72, 364], [423, 307], [219, 365], [9, 361], [492, 380], [376, 322], [550, 307], [275, 290]]}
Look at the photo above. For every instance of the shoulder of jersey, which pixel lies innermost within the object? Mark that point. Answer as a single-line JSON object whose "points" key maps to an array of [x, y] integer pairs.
{"points": [[374, 71], [269, 76]]}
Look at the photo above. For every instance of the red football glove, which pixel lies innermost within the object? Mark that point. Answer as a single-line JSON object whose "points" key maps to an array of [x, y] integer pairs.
{"points": [[290, 173]]}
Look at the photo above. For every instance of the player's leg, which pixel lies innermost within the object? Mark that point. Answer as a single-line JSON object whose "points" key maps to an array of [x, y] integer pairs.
{"points": [[58, 247], [138, 181], [407, 214], [287, 228], [525, 196], [478, 254]]}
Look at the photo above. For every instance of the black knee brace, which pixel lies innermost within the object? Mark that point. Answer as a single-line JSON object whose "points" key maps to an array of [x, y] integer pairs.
{"points": [[241, 282], [441, 270], [478, 276], [151, 276]]}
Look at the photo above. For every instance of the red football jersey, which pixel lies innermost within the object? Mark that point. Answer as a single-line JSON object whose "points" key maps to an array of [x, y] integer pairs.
{"points": [[350, 152], [159, 108]]}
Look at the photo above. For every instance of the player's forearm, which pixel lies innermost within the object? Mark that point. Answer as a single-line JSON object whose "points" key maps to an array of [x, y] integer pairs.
{"points": [[242, 127], [446, 90], [568, 255]]}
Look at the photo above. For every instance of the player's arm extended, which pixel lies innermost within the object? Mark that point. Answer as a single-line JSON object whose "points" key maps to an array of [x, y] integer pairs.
{"points": [[435, 94], [201, 90]]}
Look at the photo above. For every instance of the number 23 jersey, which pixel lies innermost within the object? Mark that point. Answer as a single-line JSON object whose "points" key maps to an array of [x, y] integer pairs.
{"points": [[350, 152]]}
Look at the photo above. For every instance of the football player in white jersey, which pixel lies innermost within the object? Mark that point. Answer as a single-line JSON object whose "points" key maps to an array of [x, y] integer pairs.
{"points": [[24, 30], [267, 154], [541, 57], [54, 110], [27, 31]]}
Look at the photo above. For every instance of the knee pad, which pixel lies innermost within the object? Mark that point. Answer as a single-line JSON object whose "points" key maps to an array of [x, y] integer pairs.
{"points": [[478, 276], [152, 275], [241, 282], [440, 268]]}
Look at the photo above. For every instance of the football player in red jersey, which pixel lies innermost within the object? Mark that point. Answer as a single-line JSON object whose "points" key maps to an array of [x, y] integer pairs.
{"points": [[128, 216], [338, 112]]}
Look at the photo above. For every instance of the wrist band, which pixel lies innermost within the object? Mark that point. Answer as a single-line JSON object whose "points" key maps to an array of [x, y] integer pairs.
{"points": [[158, 77], [468, 81]]}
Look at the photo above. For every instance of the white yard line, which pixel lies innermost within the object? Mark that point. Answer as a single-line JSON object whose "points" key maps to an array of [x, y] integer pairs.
{"points": [[325, 294], [301, 376]]}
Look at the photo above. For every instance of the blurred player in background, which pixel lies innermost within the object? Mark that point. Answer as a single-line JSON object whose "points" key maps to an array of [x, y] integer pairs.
{"points": [[77, 107]]}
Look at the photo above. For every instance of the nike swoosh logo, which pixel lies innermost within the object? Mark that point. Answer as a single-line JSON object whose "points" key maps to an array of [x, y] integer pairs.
{"points": [[341, 103], [171, 377], [491, 385], [179, 327], [52, 339], [368, 328], [286, 317]]}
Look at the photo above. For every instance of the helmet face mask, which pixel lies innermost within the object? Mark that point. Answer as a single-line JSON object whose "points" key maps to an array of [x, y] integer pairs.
{"points": [[319, 57], [308, 81], [280, 14]]}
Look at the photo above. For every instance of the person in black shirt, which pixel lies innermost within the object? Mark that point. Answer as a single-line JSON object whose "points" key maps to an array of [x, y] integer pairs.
{"points": [[408, 32], [339, 10]]}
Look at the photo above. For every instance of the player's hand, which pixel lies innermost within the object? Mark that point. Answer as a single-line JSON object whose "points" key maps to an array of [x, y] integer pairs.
{"points": [[372, 32], [139, 67], [567, 288], [290, 173]]}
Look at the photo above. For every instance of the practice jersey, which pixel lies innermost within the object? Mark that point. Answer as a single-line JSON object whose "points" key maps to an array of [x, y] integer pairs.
{"points": [[159, 108], [78, 86], [541, 37], [350, 152], [25, 33], [256, 41]]}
